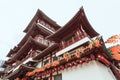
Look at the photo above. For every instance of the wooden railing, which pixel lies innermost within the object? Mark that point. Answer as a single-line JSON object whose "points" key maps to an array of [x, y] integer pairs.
{"points": [[11, 68], [69, 42], [45, 24], [20, 62]]}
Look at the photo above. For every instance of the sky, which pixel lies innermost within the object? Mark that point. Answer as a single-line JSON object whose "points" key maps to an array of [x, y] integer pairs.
{"points": [[15, 15]]}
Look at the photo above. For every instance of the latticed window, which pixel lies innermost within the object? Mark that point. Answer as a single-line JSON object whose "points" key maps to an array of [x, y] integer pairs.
{"points": [[55, 58], [47, 42], [46, 61], [70, 37], [39, 65], [40, 39]]}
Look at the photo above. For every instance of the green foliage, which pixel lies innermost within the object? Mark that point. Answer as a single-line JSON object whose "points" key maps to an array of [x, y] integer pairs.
{"points": [[110, 52]]}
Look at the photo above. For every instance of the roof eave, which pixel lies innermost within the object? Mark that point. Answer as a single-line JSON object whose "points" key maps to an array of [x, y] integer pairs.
{"points": [[45, 52], [38, 14], [79, 16], [29, 42]]}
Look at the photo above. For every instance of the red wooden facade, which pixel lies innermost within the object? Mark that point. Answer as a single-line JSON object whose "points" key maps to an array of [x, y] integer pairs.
{"points": [[49, 48]]}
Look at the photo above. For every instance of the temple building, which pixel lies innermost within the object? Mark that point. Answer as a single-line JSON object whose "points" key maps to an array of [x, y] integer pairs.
{"points": [[1, 68], [51, 52]]}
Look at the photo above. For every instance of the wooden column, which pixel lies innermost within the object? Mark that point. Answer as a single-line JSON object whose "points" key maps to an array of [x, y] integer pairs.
{"points": [[51, 76], [73, 40], [51, 62], [83, 31], [42, 62], [80, 31], [63, 45], [78, 34]]}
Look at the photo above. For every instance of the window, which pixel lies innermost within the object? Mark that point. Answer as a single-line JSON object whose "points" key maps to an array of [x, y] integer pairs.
{"points": [[42, 22], [39, 65], [46, 61], [40, 39], [14, 64], [70, 37], [47, 42], [58, 77], [68, 41], [55, 58]]}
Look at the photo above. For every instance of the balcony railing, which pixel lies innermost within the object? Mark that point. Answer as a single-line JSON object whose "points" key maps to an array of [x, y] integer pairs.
{"points": [[70, 42], [46, 27], [73, 45], [18, 63], [43, 41]]}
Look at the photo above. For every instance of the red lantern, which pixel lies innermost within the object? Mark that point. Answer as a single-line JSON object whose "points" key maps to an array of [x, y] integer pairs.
{"points": [[47, 72], [86, 60], [62, 67], [50, 71], [53, 70], [70, 64], [66, 66], [40, 75], [75, 63], [58, 68], [80, 62], [92, 57]]}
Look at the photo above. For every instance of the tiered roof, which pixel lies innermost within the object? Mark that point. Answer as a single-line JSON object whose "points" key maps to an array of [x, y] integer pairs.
{"points": [[46, 51], [78, 20], [33, 28], [41, 15], [19, 72], [96, 51], [30, 44]]}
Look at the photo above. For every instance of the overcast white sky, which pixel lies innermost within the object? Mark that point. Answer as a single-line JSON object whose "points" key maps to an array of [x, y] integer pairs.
{"points": [[15, 15]]}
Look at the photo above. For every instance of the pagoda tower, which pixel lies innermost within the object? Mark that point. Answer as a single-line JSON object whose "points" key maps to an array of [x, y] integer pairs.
{"points": [[20, 57]]}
